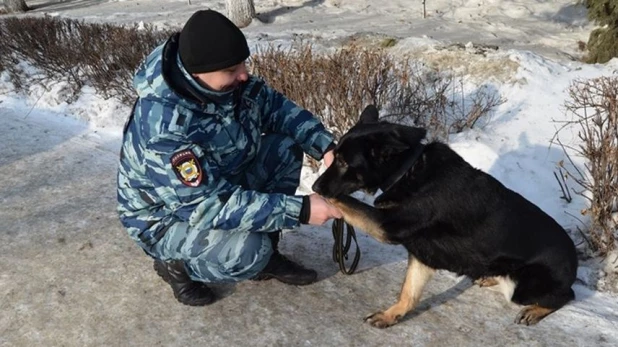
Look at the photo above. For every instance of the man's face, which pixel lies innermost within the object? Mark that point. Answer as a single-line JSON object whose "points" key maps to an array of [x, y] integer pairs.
{"points": [[224, 80]]}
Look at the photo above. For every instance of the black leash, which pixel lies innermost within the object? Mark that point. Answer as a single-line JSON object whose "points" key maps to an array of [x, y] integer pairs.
{"points": [[340, 248]]}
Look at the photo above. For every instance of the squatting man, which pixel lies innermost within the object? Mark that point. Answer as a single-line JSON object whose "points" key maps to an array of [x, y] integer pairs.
{"points": [[210, 163]]}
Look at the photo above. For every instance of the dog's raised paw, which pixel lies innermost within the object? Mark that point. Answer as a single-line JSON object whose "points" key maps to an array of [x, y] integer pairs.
{"points": [[381, 320], [486, 282], [532, 314]]}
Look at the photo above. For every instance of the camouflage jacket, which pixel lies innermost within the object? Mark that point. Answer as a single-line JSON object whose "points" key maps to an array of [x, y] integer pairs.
{"points": [[173, 121]]}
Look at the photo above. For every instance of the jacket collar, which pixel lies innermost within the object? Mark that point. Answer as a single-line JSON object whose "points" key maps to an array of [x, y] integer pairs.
{"points": [[183, 84], [222, 98]]}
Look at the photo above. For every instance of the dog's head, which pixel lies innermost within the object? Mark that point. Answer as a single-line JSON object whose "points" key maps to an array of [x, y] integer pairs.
{"points": [[366, 155]]}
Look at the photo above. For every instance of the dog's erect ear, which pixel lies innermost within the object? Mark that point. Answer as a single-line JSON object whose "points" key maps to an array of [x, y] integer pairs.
{"points": [[369, 115], [397, 139], [411, 136]]}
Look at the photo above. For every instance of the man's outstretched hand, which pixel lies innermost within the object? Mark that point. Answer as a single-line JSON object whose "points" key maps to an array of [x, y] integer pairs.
{"points": [[321, 210], [328, 158]]}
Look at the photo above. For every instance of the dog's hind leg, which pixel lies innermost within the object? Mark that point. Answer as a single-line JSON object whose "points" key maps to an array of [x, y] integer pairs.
{"points": [[361, 216], [532, 314], [541, 292], [417, 275], [501, 284], [486, 282], [543, 306]]}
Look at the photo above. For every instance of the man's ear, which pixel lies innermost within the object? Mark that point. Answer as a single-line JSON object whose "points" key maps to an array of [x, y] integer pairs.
{"points": [[369, 115]]}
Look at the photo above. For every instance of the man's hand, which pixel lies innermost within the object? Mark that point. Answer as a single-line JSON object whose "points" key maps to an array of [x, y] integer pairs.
{"points": [[321, 210], [328, 158]]}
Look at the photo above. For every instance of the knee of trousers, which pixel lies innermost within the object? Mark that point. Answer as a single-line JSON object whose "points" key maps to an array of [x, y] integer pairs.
{"points": [[232, 261]]}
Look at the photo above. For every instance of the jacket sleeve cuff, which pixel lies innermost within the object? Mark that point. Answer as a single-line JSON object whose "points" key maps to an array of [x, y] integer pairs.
{"points": [[293, 207], [305, 210], [320, 145], [329, 148]]}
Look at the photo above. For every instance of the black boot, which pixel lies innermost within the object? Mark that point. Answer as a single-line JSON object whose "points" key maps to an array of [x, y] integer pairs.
{"points": [[283, 269], [186, 291]]}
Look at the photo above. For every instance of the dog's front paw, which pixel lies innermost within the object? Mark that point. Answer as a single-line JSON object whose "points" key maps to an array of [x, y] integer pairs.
{"points": [[532, 314], [381, 320]]}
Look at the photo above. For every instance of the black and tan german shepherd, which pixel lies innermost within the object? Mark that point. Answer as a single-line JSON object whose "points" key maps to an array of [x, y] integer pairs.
{"points": [[448, 215]]}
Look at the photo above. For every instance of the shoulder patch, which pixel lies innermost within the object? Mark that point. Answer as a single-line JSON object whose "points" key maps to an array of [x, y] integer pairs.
{"points": [[187, 168]]}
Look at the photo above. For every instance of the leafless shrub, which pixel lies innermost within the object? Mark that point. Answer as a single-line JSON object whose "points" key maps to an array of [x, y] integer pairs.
{"points": [[562, 182], [336, 87], [595, 107], [102, 55], [339, 85], [49, 44], [111, 54]]}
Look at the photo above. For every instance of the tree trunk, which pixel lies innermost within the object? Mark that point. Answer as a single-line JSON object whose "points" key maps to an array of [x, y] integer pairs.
{"points": [[15, 6], [240, 12]]}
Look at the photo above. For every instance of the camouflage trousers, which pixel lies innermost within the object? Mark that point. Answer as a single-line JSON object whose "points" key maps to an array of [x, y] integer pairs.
{"points": [[227, 256]]}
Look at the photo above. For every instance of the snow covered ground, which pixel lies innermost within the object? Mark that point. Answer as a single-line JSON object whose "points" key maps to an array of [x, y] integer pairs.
{"points": [[70, 275]]}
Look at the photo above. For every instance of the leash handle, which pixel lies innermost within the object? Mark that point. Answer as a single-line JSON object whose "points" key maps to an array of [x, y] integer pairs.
{"points": [[340, 248]]}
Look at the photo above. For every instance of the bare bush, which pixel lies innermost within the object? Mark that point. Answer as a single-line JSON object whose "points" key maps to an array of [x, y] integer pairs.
{"points": [[335, 87], [339, 85], [47, 44], [111, 55], [101, 55], [595, 107]]}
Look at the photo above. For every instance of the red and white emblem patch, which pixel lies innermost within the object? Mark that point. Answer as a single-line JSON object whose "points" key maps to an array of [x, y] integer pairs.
{"points": [[187, 168]]}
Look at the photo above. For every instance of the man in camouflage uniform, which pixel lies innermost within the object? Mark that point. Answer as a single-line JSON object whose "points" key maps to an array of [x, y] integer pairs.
{"points": [[210, 163]]}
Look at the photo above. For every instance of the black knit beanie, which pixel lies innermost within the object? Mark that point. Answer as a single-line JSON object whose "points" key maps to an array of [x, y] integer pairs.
{"points": [[209, 41]]}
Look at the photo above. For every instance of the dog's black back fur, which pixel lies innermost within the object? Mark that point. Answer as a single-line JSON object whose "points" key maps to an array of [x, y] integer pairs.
{"points": [[452, 216], [458, 218]]}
